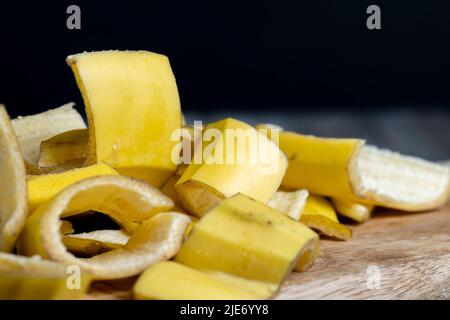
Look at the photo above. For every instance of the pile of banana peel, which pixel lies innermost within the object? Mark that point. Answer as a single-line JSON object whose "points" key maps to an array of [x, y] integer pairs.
{"points": [[199, 230]]}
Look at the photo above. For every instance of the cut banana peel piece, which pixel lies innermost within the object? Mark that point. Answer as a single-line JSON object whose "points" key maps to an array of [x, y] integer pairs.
{"points": [[13, 186], [32, 130], [289, 202], [356, 211], [66, 228], [169, 190], [248, 239], [348, 169], [68, 149], [169, 280], [96, 242], [238, 160], [133, 108], [158, 237], [43, 187], [24, 278], [319, 215]]}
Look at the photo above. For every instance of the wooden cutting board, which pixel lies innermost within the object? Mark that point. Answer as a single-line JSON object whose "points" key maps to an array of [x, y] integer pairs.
{"points": [[395, 255]]}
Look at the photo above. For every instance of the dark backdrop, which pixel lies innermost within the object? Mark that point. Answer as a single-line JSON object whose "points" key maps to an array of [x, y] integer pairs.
{"points": [[259, 55]]}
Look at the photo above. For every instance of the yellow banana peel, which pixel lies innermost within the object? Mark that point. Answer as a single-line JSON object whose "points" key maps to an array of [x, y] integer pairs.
{"points": [[358, 212], [318, 214], [65, 150], [291, 203], [13, 188], [66, 228], [246, 238], [23, 278], [133, 108], [42, 188], [89, 244], [32, 130], [349, 169], [158, 236], [169, 280], [238, 159], [313, 211]]}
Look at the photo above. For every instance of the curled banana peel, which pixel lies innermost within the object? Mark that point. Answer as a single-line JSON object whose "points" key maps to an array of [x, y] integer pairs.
{"points": [[24, 278], [158, 236], [64, 151], [42, 188], [291, 203], [240, 239], [13, 186], [32, 130], [358, 212], [169, 280], [319, 215], [120, 88], [238, 159], [92, 243], [349, 169]]}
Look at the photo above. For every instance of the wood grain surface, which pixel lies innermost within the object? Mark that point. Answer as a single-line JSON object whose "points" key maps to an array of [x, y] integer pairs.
{"points": [[395, 255]]}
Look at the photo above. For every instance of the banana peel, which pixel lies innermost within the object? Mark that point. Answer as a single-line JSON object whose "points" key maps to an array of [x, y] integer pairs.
{"points": [[349, 169], [245, 238], [32, 130], [132, 106], [24, 278], [313, 211], [66, 228], [291, 203], [168, 280], [244, 161], [13, 188], [358, 212], [158, 236], [319, 215], [92, 243], [42, 188], [64, 151]]}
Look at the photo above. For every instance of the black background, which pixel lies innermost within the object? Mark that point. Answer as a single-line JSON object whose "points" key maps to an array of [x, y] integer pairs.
{"points": [[258, 55]]}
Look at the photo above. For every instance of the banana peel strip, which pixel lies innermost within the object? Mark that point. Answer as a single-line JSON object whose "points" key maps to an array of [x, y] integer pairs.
{"points": [[63, 151], [240, 239], [66, 228], [319, 215], [358, 212], [13, 188], [143, 83], [313, 211], [158, 237], [34, 278], [42, 188], [32, 130], [291, 203], [349, 169], [92, 243], [169, 280]]}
